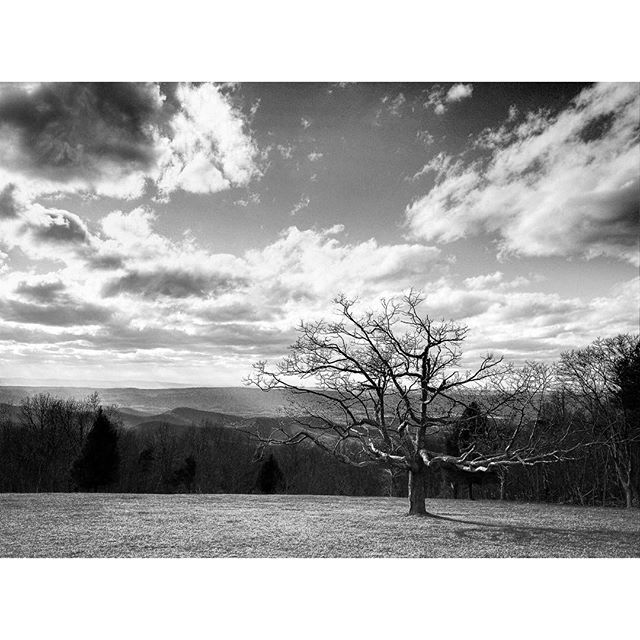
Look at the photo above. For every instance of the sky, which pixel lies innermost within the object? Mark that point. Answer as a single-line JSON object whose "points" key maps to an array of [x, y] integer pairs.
{"points": [[159, 234]]}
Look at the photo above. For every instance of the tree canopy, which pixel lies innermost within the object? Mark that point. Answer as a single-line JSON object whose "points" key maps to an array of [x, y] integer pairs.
{"points": [[372, 387]]}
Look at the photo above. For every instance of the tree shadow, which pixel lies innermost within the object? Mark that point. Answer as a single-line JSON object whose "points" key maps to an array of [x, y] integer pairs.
{"points": [[524, 532]]}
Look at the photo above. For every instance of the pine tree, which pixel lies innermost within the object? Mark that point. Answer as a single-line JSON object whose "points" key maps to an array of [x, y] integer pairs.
{"points": [[185, 475], [270, 478], [97, 466]]}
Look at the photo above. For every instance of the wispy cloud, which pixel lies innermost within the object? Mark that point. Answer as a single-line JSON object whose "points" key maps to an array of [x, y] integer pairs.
{"points": [[550, 185], [303, 203]]}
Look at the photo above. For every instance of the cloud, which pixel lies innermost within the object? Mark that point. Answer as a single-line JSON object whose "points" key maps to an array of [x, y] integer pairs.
{"points": [[438, 99], [394, 105], [8, 206], [303, 203], [42, 232], [160, 300], [65, 314], [481, 282], [528, 324], [46, 300], [305, 269], [252, 198], [42, 290], [79, 136], [285, 150], [548, 185], [425, 137], [459, 92], [209, 148], [171, 283], [391, 106], [118, 139], [132, 233], [60, 227], [177, 303]]}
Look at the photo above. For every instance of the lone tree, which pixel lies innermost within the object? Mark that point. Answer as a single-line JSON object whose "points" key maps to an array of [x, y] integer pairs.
{"points": [[373, 387], [97, 466]]}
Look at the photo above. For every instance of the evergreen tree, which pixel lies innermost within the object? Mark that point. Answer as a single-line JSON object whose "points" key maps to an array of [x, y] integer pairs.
{"points": [[270, 478], [185, 475], [97, 465]]}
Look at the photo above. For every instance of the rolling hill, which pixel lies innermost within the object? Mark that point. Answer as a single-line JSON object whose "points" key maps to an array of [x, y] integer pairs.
{"points": [[235, 401]]}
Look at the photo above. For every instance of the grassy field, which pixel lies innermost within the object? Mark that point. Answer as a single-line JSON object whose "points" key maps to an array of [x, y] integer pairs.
{"points": [[111, 525]]}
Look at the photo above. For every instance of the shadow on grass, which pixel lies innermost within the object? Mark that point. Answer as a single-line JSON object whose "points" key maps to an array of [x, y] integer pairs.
{"points": [[524, 532]]}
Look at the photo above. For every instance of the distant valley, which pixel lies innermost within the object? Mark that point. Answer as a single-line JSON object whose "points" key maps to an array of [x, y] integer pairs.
{"points": [[146, 403]]}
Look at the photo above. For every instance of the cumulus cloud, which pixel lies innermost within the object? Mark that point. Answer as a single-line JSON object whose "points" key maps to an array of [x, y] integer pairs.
{"points": [[115, 139], [311, 266], [178, 303], [438, 99], [128, 289], [80, 136], [459, 92], [29, 299], [511, 318], [42, 232], [209, 148], [133, 233], [548, 185]]}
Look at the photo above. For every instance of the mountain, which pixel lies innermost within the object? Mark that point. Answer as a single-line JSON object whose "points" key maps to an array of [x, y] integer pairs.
{"points": [[183, 416], [236, 401]]}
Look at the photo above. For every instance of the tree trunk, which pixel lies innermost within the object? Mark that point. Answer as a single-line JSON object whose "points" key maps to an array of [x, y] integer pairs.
{"points": [[417, 493], [628, 494], [626, 482]]}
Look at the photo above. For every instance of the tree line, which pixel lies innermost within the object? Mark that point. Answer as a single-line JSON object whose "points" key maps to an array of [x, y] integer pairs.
{"points": [[586, 406], [61, 445]]}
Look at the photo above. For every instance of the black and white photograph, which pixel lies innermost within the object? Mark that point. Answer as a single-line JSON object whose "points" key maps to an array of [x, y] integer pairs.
{"points": [[320, 318]]}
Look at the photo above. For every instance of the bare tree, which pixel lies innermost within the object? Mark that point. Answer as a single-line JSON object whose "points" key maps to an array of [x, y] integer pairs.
{"points": [[373, 387], [603, 379], [57, 428]]}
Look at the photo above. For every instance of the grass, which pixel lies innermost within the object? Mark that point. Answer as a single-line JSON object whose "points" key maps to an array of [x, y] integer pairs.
{"points": [[114, 525]]}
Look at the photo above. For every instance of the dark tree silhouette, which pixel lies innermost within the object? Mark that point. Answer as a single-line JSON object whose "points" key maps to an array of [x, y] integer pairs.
{"points": [[270, 478], [626, 370], [97, 466], [471, 426], [186, 474], [146, 460]]}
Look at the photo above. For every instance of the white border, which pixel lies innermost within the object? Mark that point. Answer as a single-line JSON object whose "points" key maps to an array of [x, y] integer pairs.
{"points": [[546, 40], [331, 40]]}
